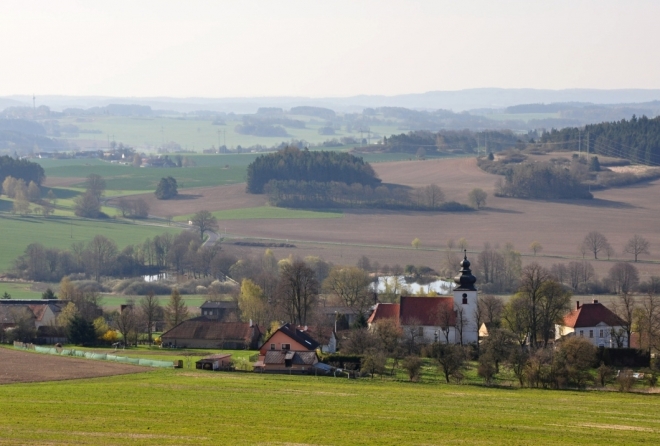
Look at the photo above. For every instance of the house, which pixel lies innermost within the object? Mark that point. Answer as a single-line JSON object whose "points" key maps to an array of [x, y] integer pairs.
{"points": [[594, 322], [287, 361], [218, 309], [288, 349], [431, 319], [204, 332], [220, 361], [42, 312]]}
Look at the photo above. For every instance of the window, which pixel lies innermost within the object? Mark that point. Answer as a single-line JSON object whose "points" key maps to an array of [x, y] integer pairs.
{"points": [[591, 333], [272, 346], [464, 298], [601, 333], [581, 333], [286, 346]]}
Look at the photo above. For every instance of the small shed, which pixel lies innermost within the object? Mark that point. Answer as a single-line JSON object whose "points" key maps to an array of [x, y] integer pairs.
{"points": [[214, 362]]}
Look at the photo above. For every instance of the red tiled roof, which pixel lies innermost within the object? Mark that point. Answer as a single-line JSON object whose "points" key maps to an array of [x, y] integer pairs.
{"points": [[426, 310], [384, 311], [210, 329], [38, 311], [590, 315]]}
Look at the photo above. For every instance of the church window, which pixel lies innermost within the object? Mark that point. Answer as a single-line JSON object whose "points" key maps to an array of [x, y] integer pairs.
{"points": [[465, 299]]}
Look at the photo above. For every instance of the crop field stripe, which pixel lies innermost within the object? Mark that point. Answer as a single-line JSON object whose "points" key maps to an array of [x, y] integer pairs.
{"points": [[267, 212]]}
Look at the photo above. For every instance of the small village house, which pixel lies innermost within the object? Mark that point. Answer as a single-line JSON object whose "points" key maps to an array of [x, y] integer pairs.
{"points": [[288, 349], [202, 332], [596, 323]]}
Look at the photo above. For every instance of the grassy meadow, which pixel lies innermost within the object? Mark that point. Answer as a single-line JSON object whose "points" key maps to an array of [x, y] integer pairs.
{"points": [[189, 406], [61, 232]]}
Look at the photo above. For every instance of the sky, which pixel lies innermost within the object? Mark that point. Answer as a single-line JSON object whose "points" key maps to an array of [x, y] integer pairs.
{"points": [[332, 48]]}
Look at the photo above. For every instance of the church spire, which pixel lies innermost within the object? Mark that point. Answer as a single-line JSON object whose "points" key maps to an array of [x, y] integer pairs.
{"points": [[465, 280]]}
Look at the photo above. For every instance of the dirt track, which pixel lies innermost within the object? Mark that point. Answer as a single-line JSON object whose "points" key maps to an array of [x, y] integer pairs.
{"points": [[20, 366]]}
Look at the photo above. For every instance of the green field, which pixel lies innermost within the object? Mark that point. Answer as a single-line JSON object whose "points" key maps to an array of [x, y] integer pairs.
{"points": [[189, 406], [197, 134], [61, 232], [266, 212]]}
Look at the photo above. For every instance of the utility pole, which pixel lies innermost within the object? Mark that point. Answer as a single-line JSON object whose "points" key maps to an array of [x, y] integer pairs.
{"points": [[579, 142], [587, 147]]}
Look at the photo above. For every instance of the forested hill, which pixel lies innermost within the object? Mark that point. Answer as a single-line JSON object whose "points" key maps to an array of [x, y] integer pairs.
{"points": [[292, 164], [637, 139]]}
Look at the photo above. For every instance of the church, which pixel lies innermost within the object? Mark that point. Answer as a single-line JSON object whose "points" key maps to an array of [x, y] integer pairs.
{"points": [[448, 319]]}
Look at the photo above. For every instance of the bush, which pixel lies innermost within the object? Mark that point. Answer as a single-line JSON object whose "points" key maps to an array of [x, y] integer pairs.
{"points": [[88, 286], [625, 380], [141, 288], [412, 365]]}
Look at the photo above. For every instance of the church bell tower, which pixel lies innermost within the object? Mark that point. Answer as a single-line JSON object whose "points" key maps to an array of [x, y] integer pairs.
{"points": [[465, 302]]}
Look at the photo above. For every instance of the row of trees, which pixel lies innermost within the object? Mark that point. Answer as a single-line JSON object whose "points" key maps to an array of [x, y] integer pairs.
{"points": [[21, 169], [337, 194], [541, 180], [596, 243], [292, 164]]}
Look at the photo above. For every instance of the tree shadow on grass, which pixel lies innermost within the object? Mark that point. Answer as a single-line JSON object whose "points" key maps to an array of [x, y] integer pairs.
{"points": [[500, 210], [185, 197]]}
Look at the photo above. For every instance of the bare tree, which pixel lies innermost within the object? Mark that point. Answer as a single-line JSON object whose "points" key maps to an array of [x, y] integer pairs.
{"points": [[462, 322], [125, 320], [205, 221], [625, 306], [580, 272], [150, 307], [637, 245], [477, 198], [433, 195], [535, 247], [413, 331], [595, 242], [450, 359], [351, 285], [297, 291], [492, 307], [623, 277], [533, 277], [101, 252], [176, 310], [554, 303]]}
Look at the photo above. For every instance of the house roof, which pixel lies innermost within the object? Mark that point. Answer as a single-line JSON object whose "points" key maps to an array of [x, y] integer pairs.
{"points": [[590, 315], [426, 310], [300, 336], [384, 311], [210, 304], [211, 329], [298, 358]]}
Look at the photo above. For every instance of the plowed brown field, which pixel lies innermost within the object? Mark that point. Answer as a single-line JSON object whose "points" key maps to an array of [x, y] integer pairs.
{"points": [[559, 226], [19, 366]]}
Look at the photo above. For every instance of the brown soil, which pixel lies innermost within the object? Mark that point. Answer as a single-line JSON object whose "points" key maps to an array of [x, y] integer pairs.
{"points": [[194, 200], [560, 226], [20, 366]]}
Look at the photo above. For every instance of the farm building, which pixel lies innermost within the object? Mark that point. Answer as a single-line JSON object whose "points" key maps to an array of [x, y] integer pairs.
{"points": [[220, 361], [432, 319], [202, 332], [594, 322], [287, 361]]}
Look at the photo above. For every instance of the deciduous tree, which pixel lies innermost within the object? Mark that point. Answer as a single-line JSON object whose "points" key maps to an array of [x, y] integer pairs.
{"points": [[204, 221], [595, 242], [477, 198], [636, 246]]}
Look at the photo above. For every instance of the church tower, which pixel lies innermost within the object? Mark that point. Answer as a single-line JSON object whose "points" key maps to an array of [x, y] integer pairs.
{"points": [[465, 303]]}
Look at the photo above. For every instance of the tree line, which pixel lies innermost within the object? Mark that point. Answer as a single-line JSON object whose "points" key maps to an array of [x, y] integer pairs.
{"points": [[637, 139], [21, 169], [334, 194], [292, 164]]}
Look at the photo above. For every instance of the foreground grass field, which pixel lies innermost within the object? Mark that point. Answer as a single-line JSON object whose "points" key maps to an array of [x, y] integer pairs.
{"points": [[187, 406]]}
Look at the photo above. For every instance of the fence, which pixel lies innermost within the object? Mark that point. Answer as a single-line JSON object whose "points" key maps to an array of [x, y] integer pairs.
{"points": [[91, 355]]}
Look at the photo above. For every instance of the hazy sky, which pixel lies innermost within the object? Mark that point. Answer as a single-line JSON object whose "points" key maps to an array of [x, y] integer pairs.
{"points": [[324, 48]]}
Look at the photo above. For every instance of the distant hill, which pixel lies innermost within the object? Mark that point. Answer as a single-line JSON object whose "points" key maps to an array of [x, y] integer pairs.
{"points": [[459, 100]]}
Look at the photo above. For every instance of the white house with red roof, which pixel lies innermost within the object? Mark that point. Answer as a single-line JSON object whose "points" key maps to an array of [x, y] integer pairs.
{"points": [[448, 319], [596, 323]]}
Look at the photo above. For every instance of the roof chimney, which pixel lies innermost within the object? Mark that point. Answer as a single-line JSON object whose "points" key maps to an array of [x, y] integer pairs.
{"points": [[250, 322], [577, 306], [595, 301]]}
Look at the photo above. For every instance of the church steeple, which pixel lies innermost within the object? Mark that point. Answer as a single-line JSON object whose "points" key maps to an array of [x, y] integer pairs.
{"points": [[465, 280]]}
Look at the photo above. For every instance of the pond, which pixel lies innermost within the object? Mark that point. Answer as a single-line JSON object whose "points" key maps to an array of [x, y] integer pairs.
{"points": [[413, 287], [157, 277]]}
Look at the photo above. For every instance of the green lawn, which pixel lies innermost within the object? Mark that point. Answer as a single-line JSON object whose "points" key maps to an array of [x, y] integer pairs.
{"points": [[61, 232], [192, 301], [189, 406], [266, 212], [19, 290]]}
